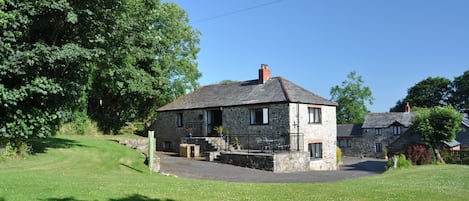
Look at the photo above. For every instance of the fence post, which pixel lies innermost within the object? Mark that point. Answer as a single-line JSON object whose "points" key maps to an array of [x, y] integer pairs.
{"points": [[151, 149]]}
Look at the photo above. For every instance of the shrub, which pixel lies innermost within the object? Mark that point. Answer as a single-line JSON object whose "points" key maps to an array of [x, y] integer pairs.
{"points": [[20, 150], [419, 154], [339, 154], [402, 162]]}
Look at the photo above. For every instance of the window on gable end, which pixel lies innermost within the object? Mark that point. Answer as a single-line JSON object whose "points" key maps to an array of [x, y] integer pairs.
{"points": [[314, 115], [315, 150]]}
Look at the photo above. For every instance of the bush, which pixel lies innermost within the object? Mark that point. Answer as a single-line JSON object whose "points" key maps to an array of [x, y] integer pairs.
{"points": [[20, 150], [339, 154], [419, 154], [448, 157], [402, 162]]}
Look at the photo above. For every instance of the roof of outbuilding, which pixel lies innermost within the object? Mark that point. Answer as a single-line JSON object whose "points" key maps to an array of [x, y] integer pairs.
{"points": [[452, 143], [349, 130], [386, 119], [276, 89], [465, 122]]}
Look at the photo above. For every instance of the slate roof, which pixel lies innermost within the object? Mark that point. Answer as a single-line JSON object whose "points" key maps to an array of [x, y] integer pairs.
{"points": [[349, 130], [452, 143], [465, 122], [386, 119], [274, 90]]}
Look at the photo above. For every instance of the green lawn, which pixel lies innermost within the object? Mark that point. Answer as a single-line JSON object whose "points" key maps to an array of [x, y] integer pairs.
{"points": [[92, 168]]}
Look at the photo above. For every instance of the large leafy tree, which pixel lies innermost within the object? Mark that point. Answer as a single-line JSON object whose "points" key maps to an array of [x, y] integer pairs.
{"points": [[436, 125], [60, 57], [351, 97], [460, 95], [149, 60], [431, 92], [45, 54]]}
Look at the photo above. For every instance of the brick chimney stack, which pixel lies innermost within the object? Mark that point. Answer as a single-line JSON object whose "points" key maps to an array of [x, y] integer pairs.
{"points": [[407, 108], [264, 73]]}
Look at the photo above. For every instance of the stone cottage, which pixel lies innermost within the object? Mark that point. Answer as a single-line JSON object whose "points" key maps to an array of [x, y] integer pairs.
{"points": [[268, 113], [389, 130], [461, 142], [377, 132]]}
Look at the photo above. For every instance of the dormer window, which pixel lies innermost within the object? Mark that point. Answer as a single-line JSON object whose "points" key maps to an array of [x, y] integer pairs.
{"points": [[396, 130]]}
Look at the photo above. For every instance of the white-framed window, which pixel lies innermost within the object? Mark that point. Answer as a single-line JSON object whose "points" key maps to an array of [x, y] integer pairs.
{"points": [[314, 115], [396, 130], [378, 147], [315, 150], [378, 131], [179, 119], [259, 116]]}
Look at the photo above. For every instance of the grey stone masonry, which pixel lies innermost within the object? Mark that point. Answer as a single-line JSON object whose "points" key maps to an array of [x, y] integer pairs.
{"points": [[142, 146]]}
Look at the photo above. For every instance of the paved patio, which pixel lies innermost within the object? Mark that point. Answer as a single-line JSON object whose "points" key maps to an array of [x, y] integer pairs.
{"points": [[189, 168]]}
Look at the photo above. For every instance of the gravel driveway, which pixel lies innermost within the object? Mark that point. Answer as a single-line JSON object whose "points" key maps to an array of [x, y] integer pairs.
{"points": [[187, 168]]}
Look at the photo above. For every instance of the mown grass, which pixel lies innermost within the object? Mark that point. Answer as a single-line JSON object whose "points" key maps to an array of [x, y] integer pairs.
{"points": [[70, 168]]}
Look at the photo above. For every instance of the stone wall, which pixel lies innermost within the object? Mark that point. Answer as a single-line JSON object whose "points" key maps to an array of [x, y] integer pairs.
{"points": [[365, 145], [142, 146], [251, 160], [237, 121], [168, 135], [277, 162], [324, 132]]}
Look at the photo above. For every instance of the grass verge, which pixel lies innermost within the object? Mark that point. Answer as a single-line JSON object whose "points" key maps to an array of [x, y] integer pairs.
{"points": [[70, 168]]}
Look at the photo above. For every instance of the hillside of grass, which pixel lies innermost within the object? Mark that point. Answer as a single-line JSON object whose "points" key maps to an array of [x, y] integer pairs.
{"points": [[70, 168]]}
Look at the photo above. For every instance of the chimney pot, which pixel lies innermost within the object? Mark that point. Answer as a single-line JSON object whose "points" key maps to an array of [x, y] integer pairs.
{"points": [[264, 73], [407, 107]]}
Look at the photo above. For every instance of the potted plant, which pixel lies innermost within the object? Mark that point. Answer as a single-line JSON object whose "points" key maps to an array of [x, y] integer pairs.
{"points": [[237, 143], [219, 130]]}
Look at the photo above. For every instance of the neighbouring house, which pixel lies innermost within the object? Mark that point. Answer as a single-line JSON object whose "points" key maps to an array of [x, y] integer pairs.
{"points": [[389, 130], [270, 116], [461, 142], [377, 132]]}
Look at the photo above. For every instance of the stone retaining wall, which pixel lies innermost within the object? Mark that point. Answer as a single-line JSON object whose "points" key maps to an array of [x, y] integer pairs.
{"points": [[250, 160], [142, 146]]}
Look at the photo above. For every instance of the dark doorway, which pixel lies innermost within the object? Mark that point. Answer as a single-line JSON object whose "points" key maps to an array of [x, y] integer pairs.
{"points": [[214, 119]]}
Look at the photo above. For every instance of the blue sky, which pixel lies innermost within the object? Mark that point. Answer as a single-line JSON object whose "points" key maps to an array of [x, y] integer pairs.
{"points": [[315, 43]]}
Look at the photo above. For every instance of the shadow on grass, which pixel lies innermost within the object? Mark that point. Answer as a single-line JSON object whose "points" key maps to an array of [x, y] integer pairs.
{"points": [[137, 197], [132, 168], [42, 144], [134, 197], [62, 199], [368, 166]]}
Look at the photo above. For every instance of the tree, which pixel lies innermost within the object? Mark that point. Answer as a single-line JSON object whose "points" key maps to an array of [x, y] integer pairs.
{"points": [[45, 59], [116, 59], [460, 96], [427, 93], [149, 61], [436, 125], [351, 98]]}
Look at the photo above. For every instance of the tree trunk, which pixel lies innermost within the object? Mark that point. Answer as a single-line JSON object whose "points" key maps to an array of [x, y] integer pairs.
{"points": [[438, 157]]}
